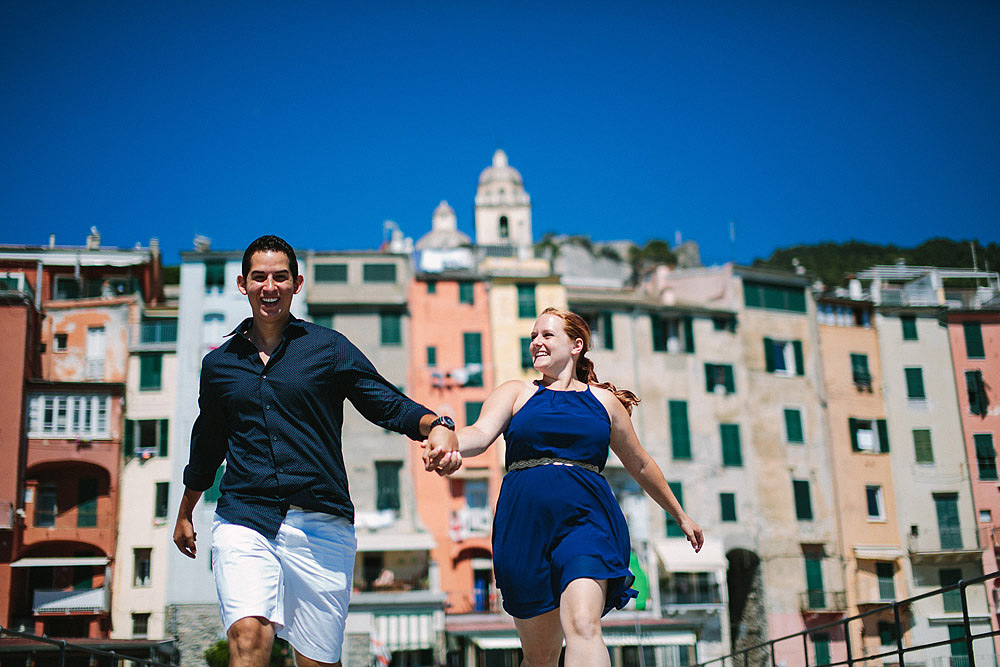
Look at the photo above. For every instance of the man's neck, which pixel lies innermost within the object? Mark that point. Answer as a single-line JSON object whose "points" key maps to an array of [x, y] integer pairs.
{"points": [[266, 335]]}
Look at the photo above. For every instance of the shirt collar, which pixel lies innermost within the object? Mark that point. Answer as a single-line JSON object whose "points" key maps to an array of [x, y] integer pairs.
{"points": [[243, 328]]}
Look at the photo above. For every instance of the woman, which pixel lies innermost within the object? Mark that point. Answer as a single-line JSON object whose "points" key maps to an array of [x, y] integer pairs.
{"points": [[560, 541]]}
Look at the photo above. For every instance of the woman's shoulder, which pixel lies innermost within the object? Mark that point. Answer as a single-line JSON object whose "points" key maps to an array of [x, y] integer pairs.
{"points": [[607, 399]]}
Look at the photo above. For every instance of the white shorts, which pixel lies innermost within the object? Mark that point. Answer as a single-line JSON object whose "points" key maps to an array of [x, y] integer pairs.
{"points": [[300, 581]]}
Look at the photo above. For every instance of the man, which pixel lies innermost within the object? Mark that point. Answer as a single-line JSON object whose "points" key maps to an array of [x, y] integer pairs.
{"points": [[271, 405]]}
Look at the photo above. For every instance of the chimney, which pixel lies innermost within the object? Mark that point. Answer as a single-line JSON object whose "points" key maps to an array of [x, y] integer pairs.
{"points": [[93, 239], [202, 243], [52, 240]]}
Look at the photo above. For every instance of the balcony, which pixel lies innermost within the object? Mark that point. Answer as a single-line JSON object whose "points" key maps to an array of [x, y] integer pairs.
{"points": [[16, 283], [157, 334], [470, 522], [92, 601], [822, 602], [941, 549]]}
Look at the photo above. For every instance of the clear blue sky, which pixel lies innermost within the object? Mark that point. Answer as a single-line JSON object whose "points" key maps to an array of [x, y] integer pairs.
{"points": [[801, 121]]}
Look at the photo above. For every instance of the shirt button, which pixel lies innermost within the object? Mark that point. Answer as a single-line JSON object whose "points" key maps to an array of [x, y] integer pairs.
{"points": [[281, 470], [274, 438], [267, 407]]}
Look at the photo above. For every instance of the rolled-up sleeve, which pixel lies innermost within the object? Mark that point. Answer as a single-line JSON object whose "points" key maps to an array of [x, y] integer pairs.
{"points": [[209, 438], [377, 399]]}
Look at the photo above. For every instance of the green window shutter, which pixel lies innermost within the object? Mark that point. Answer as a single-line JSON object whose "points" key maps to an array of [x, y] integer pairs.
{"points": [[128, 446], [729, 379], [472, 410], [680, 434], [914, 383], [330, 273], [986, 456], [814, 573], [859, 369], [150, 371], [727, 506], [86, 506], [432, 287], [909, 323], [886, 584], [769, 355], [886, 633], [526, 301], [472, 345], [853, 424], [432, 355], [922, 448], [391, 326], [689, 334], [161, 506], [731, 454], [883, 435], [793, 425], [214, 492], [710, 378], [976, 390], [959, 649], [526, 360], [164, 438], [952, 599], [803, 502], [466, 292], [659, 327], [974, 340], [821, 646], [949, 526], [674, 530], [800, 364], [387, 485], [379, 273], [607, 332]]}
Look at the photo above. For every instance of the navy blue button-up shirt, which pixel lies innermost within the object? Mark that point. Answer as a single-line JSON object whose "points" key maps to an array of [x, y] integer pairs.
{"points": [[278, 426]]}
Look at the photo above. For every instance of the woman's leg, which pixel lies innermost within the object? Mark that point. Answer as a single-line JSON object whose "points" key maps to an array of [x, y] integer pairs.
{"points": [[541, 639], [580, 608]]}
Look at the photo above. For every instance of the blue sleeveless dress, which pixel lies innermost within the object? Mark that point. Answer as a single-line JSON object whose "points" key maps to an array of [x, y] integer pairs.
{"points": [[557, 523]]}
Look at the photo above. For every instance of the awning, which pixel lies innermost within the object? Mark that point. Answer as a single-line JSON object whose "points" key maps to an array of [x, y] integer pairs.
{"points": [[395, 542], [497, 642], [878, 553], [676, 555], [405, 632], [64, 561], [661, 638]]}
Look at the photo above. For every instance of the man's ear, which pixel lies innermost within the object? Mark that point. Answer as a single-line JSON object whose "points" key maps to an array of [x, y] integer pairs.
{"points": [[299, 279], [241, 283]]}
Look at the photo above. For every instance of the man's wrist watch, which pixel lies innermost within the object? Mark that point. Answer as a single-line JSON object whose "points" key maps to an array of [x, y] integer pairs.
{"points": [[443, 420]]}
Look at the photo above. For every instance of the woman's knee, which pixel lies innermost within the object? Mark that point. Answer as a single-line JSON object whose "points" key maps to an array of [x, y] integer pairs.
{"points": [[581, 624]]}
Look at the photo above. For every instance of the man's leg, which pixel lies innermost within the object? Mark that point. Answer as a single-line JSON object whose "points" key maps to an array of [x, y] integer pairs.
{"points": [[302, 661], [250, 641]]}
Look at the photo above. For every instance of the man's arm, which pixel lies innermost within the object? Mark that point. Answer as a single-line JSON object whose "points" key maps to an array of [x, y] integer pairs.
{"points": [[184, 535]]}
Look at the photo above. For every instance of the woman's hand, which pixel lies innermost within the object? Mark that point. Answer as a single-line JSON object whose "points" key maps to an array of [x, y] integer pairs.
{"points": [[693, 533]]}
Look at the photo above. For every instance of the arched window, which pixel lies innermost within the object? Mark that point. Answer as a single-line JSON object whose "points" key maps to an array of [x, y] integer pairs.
{"points": [[504, 227]]}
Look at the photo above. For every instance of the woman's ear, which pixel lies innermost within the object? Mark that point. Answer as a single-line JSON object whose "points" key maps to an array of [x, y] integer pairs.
{"points": [[577, 346]]}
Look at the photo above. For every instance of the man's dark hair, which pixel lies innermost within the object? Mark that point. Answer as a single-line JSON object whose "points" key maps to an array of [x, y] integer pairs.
{"points": [[270, 242]]}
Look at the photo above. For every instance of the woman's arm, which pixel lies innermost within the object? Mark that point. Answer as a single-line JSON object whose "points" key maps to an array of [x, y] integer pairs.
{"points": [[493, 418], [625, 444]]}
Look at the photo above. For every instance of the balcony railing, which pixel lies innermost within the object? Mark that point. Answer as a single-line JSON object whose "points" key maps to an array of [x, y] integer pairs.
{"points": [[156, 332], [58, 601], [159, 653], [691, 597], [471, 522], [11, 281], [817, 600], [478, 601]]}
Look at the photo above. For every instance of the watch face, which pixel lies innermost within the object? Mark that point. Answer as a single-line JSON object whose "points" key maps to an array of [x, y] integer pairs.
{"points": [[445, 421]]}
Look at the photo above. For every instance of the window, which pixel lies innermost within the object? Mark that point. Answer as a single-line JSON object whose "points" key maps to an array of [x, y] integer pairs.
{"points": [[68, 416], [976, 390], [860, 374], [140, 625], [783, 357], [432, 287], [86, 503], [602, 335], [472, 346], [887, 633], [526, 360], [215, 274], [803, 501], [719, 377], [330, 273], [869, 435], [814, 580], [727, 506], [974, 340], [923, 452], [673, 529], [45, 507], [952, 599], [985, 516], [909, 324], [146, 437], [213, 330], [688, 588], [504, 227], [387, 485], [821, 647], [141, 567], [672, 334], [731, 454], [477, 493], [724, 323], [66, 287], [472, 410], [466, 292], [378, 273], [959, 649], [876, 508], [60, 342], [432, 356], [915, 384], [774, 297], [158, 331], [886, 584], [160, 508], [793, 426], [322, 319], [949, 527], [214, 492], [150, 371], [526, 301], [391, 325], [680, 434], [986, 456], [96, 345]]}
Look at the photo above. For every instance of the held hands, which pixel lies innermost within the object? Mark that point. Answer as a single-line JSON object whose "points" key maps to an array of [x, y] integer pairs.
{"points": [[441, 451]]}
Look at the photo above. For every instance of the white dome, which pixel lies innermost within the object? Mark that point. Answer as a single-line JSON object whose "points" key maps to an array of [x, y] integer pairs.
{"points": [[500, 171]]}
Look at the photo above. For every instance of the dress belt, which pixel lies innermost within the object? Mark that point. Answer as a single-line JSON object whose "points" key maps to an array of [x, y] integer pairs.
{"points": [[532, 463]]}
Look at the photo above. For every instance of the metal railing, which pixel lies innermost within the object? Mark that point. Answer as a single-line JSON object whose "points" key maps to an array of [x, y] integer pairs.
{"points": [[95, 657], [763, 652]]}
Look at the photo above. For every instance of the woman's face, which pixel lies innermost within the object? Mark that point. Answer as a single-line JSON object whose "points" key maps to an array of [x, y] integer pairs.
{"points": [[551, 347]]}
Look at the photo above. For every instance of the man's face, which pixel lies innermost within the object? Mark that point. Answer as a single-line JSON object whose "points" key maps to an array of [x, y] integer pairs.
{"points": [[269, 286]]}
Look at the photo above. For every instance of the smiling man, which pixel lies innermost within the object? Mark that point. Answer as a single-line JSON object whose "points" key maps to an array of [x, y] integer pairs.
{"points": [[272, 406]]}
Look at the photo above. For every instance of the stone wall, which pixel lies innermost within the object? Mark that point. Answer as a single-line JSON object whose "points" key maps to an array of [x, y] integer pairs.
{"points": [[195, 627]]}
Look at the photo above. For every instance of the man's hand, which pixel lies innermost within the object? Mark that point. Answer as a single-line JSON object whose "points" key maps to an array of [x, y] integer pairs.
{"points": [[184, 536], [441, 451]]}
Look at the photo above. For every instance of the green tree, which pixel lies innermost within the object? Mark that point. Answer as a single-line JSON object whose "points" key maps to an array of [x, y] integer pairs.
{"points": [[217, 655]]}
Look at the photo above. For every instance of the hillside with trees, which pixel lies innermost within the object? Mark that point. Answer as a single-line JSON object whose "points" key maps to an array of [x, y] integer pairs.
{"points": [[832, 262]]}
